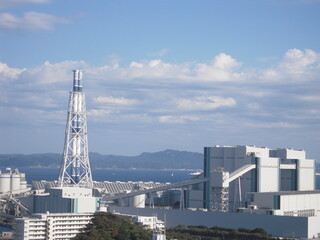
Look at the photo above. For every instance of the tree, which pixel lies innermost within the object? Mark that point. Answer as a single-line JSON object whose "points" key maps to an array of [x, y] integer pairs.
{"points": [[108, 226]]}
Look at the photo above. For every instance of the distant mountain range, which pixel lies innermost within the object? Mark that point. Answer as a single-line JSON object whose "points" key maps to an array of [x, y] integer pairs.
{"points": [[172, 159]]}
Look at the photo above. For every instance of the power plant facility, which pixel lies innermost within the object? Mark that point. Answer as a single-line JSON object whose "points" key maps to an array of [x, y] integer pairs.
{"points": [[12, 181], [239, 187]]}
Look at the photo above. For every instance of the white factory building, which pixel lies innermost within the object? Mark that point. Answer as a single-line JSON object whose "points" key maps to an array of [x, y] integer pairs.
{"points": [[11, 181], [65, 200], [235, 171], [250, 187], [286, 203]]}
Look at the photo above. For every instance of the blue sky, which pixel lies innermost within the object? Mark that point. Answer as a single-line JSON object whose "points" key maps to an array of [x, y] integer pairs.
{"points": [[161, 74]]}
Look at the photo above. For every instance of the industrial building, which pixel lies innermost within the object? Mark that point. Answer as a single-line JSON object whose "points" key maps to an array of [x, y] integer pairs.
{"points": [[65, 200], [12, 181], [285, 203], [235, 171], [279, 226], [248, 187]]}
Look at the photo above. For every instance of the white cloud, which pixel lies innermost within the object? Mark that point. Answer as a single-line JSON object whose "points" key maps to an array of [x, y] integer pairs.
{"points": [[154, 91], [154, 69], [153, 96], [296, 65], [31, 21], [116, 101], [296, 61], [9, 73], [98, 112], [49, 73], [272, 125], [257, 93], [311, 98], [16, 3], [222, 68], [177, 119], [205, 103]]}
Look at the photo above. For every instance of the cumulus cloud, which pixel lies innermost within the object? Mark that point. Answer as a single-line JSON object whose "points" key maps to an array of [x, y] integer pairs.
{"points": [[296, 65], [222, 68], [51, 73], [155, 68], [30, 21], [217, 98], [157, 92], [296, 61], [8, 73]]}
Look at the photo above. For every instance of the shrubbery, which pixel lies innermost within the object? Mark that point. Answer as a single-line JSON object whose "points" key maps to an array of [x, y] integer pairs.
{"points": [[216, 233]]}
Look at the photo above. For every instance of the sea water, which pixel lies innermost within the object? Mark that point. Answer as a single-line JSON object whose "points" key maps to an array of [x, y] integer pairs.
{"points": [[124, 175]]}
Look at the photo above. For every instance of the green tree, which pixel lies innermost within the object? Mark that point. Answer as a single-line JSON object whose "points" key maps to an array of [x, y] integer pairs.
{"points": [[108, 226]]}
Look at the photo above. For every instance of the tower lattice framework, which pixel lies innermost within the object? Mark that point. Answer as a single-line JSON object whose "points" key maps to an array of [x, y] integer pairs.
{"points": [[75, 168]]}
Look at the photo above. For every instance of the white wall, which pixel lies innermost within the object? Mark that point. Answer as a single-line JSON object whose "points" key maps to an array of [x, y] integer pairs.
{"points": [[65, 200], [268, 170], [300, 202], [281, 226], [306, 174]]}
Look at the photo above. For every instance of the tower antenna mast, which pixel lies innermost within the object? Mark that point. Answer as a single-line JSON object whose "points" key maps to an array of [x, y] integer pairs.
{"points": [[75, 168]]}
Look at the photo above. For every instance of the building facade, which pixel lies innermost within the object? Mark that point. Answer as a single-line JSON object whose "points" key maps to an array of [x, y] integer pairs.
{"points": [[286, 203], [264, 170], [66, 200], [51, 226]]}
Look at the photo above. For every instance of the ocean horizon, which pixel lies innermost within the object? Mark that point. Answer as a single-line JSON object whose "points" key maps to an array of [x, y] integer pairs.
{"points": [[123, 175], [116, 174]]}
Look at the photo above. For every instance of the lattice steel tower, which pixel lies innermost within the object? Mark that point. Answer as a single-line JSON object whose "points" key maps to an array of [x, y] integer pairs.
{"points": [[75, 168]]}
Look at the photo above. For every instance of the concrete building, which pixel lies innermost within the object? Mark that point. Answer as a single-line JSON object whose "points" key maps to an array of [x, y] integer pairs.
{"points": [[273, 189], [280, 226], [287, 203], [65, 200], [51, 226], [152, 223], [148, 222], [235, 171]]}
